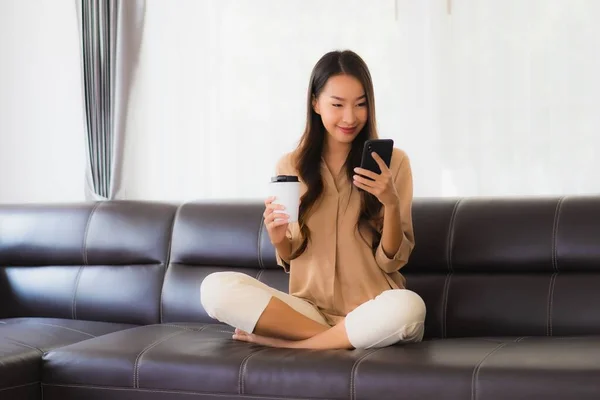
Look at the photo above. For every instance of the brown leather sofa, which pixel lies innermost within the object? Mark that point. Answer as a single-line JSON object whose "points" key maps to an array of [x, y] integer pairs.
{"points": [[102, 301]]}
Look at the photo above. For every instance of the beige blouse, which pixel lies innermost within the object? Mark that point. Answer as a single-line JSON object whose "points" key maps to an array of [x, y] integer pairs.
{"points": [[338, 271]]}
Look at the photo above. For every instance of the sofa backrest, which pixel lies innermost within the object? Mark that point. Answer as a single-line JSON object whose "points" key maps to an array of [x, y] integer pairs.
{"points": [[100, 261], [485, 267], [210, 237], [509, 267]]}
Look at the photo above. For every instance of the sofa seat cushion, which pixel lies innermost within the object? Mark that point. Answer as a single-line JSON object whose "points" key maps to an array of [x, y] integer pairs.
{"points": [[550, 368], [193, 358], [23, 341], [19, 370], [187, 359]]}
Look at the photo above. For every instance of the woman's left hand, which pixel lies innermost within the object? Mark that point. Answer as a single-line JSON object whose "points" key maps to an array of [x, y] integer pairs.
{"points": [[379, 185]]}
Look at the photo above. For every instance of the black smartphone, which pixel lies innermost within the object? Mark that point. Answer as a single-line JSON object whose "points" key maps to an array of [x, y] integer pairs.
{"points": [[383, 147]]}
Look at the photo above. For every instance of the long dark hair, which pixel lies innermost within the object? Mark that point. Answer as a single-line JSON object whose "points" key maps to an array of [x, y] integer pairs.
{"points": [[310, 148]]}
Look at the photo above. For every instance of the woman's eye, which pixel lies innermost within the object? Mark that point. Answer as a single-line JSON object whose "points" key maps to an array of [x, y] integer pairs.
{"points": [[337, 105], [361, 104]]}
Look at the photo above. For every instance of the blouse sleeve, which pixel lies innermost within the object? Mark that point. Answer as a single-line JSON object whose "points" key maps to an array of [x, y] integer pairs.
{"points": [[404, 185]]}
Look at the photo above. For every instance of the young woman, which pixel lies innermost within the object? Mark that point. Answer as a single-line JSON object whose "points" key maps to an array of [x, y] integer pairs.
{"points": [[353, 234]]}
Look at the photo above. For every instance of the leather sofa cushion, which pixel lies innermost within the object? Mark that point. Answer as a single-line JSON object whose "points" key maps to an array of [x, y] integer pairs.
{"points": [[101, 261], [550, 368], [181, 293], [203, 359], [19, 370], [483, 266], [23, 341]]}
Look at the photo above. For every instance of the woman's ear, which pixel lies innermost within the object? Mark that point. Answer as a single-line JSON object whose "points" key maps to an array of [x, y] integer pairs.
{"points": [[315, 104]]}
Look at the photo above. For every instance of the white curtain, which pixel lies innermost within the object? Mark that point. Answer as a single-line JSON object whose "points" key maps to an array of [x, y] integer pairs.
{"points": [[488, 97]]}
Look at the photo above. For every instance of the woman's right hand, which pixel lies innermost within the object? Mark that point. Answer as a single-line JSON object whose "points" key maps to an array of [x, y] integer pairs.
{"points": [[276, 228]]}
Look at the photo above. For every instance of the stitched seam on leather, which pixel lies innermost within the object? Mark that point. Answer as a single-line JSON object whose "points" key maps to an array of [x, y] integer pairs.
{"points": [[73, 312], [167, 264], [489, 340], [85, 261], [517, 340], [353, 372], [260, 272], [200, 329], [554, 233], [25, 345], [20, 386], [138, 360], [228, 396], [450, 238], [550, 299], [478, 368], [85, 235], [229, 332], [260, 230], [242, 372], [187, 328], [445, 304], [64, 327]]}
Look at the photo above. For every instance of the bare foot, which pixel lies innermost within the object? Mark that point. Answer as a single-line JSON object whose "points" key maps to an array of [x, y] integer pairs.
{"points": [[334, 338], [260, 340]]}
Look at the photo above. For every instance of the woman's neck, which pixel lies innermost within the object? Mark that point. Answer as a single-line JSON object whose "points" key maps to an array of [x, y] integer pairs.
{"points": [[335, 155], [334, 150]]}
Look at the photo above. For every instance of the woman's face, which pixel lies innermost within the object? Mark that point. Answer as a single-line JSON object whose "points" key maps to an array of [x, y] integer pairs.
{"points": [[342, 105]]}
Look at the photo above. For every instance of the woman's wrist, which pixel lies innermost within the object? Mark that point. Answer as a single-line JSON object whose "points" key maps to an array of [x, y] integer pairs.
{"points": [[393, 205], [284, 248]]}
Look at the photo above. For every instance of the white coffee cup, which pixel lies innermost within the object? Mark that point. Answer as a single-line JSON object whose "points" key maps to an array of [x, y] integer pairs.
{"points": [[286, 190]]}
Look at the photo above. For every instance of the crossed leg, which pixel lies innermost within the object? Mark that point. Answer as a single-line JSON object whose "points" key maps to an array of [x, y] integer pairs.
{"points": [[268, 317]]}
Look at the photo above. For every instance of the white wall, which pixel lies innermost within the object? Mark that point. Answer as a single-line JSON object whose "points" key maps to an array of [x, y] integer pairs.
{"points": [[42, 154], [520, 97], [497, 98], [222, 84]]}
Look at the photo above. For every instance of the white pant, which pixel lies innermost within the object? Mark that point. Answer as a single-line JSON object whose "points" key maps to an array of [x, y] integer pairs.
{"points": [[239, 300]]}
